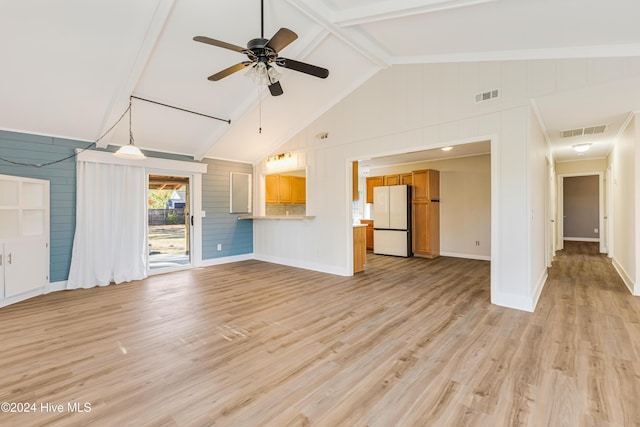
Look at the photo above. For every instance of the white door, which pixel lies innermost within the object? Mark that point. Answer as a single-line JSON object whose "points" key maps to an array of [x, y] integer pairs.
{"points": [[398, 207], [25, 265], [380, 207]]}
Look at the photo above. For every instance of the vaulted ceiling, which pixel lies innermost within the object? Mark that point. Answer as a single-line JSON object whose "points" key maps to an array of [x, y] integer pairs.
{"points": [[68, 67]]}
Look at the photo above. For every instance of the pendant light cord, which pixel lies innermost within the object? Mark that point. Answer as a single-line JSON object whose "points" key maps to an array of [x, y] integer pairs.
{"points": [[130, 132]]}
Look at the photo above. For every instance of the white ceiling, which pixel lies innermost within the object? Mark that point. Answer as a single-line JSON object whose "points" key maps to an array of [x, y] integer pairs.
{"points": [[69, 66], [463, 150]]}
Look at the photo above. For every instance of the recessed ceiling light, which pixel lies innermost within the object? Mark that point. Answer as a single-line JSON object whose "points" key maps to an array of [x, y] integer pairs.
{"points": [[581, 148], [447, 148]]}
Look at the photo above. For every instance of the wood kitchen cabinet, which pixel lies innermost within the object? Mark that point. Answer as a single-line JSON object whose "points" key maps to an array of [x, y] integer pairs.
{"points": [[368, 232], [285, 189], [298, 190], [354, 181], [372, 182], [359, 248], [395, 179], [406, 179], [425, 216], [391, 179], [272, 190]]}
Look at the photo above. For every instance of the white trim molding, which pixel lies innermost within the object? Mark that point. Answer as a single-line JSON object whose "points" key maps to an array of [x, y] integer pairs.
{"points": [[225, 260], [148, 163]]}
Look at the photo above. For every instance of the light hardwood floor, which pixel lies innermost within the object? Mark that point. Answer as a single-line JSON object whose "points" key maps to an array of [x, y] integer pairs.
{"points": [[408, 342]]}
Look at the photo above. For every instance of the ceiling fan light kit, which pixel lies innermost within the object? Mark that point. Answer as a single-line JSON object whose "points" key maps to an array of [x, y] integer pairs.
{"points": [[262, 55]]}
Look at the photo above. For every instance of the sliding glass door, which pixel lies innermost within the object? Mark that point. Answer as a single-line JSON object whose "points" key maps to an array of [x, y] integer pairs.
{"points": [[169, 218]]}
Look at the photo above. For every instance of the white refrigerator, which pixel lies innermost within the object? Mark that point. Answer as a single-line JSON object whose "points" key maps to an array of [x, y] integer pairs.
{"points": [[392, 220]]}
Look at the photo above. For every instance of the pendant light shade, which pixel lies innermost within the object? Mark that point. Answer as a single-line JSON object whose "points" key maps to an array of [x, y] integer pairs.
{"points": [[130, 151]]}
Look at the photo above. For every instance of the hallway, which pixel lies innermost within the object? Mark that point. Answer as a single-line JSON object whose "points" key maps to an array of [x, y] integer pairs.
{"points": [[589, 343]]}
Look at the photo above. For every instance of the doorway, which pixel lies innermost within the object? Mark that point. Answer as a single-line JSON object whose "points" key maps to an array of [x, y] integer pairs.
{"points": [[581, 207], [168, 224]]}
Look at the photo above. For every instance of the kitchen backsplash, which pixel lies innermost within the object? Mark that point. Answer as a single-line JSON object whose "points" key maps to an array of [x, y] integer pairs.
{"points": [[279, 210]]}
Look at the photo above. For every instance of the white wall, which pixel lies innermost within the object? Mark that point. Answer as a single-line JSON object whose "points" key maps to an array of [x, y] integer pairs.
{"points": [[538, 183], [465, 203], [415, 107], [581, 166], [624, 163]]}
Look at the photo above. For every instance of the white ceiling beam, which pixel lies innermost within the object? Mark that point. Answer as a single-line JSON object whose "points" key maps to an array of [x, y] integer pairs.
{"points": [[351, 37], [120, 100], [603, 51], [398, 9]]}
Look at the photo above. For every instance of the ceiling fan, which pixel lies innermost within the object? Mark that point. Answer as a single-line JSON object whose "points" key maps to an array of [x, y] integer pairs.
{"points": [[263, 54]]}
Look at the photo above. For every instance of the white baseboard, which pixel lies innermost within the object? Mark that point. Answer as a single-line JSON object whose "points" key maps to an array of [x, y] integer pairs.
{"points": [[628, 281], [225, 260], [17, 298], [467, 256], [582, 239], [518, 302], [538, 290], [57, 286], [322, 268]]}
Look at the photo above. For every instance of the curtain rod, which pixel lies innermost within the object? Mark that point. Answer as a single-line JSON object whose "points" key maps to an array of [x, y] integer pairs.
{"points": [[181, 109]]}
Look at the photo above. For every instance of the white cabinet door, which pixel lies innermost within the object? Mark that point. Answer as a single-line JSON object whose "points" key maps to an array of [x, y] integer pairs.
{"points": [[24, 237], [381, 207], [25, 265], [398, 207]]}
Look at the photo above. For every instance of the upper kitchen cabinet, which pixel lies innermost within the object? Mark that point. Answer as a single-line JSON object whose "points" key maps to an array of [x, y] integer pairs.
{"points": [[298, 190], [286, 193], [426, 184], [372, 182], [406, 179], [391, 179]]}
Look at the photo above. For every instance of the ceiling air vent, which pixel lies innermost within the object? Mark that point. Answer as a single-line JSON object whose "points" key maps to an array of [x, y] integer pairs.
{"points": [[485, 96], [591, 130]]}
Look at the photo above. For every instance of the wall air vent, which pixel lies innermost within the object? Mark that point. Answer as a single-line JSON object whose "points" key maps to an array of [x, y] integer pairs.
{"points": [[591, 130], [485, 96]]}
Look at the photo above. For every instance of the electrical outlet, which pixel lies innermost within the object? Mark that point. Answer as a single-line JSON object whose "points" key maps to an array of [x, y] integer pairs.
{"points": [[477, 242], [595, 230], [219, 246]]}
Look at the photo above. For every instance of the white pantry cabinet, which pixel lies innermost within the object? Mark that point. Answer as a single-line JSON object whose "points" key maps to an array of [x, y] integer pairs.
{"points": [[24, 238]]}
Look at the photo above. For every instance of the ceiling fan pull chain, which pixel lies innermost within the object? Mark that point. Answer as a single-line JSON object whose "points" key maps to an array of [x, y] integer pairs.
{"points": [[260, 108]]}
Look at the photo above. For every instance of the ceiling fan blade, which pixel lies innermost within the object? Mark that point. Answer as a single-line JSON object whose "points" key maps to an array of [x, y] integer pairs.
{"points": [[303, 68], [225, 45], [227, 71], [275, 89], [281, 39]]}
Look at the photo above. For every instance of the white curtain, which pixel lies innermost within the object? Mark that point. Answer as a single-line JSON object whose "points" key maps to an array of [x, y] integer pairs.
{"points": [[110, 240]]}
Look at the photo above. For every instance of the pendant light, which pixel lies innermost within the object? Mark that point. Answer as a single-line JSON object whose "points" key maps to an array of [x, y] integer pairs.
{"points": [[130, 151]]}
